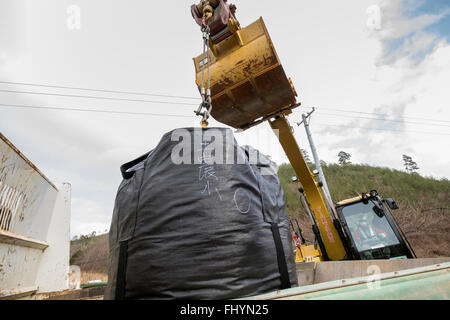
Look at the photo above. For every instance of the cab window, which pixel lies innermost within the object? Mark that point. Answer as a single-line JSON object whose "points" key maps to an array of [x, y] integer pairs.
{"points": [[368, 230]]}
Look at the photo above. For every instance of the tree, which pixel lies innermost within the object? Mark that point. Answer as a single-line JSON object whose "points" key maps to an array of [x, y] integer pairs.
{"points": [[344, 158], [410, 165], [306, 156]]}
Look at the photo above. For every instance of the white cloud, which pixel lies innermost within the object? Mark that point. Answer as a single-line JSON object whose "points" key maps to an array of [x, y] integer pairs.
{"points": [[88, 216], [396, 25], [419, 91], [412, 40]]}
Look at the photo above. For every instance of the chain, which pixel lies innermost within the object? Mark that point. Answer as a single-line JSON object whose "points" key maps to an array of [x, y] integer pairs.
{"points": [[205, 93]]}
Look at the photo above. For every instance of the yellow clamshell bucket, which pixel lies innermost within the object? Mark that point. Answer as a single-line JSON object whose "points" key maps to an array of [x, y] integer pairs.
{"points": [[248, 83]]}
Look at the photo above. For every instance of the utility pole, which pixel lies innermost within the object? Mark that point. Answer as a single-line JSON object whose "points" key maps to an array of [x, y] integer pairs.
{"points": [[326, 192]]}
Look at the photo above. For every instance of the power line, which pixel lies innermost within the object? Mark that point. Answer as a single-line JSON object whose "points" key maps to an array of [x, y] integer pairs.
{"points": [[177, 97], [98, 98], [379, 129], [378, 114], [378, 119], [100, 90], [94, 110], [168, 96], [186, 116], [192, 104]]}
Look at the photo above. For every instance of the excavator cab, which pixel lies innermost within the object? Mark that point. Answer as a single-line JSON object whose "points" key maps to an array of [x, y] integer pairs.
{"points": [[242, 83], [371, 229], [247, 81]]}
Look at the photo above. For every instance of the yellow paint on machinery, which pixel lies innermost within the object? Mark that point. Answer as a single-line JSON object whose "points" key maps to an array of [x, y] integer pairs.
{"points": [[347, 201], [248, 84], [330, 236], [308, 253], [247, 79]]}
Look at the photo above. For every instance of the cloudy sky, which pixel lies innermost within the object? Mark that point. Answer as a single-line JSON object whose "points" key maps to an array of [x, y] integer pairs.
{"points": [[378, 73]]}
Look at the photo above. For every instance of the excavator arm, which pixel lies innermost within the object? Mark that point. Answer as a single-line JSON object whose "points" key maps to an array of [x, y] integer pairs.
{"points": [[330, 237], [248, 86]]}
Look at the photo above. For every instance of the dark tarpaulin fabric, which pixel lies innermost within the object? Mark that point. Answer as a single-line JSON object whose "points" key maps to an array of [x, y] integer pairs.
{"points": [[199, 230]]}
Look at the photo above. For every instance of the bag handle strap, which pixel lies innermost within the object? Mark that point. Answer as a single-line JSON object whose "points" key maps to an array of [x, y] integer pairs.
{"points": [[125, 167], [121, 271], [281, 258]]}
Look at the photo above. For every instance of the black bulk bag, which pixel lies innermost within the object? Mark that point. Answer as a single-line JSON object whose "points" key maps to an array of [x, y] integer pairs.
{"points": [[199, 230]]}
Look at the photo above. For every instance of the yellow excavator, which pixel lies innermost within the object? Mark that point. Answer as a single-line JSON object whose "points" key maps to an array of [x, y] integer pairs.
{"points": [[243, 84]]}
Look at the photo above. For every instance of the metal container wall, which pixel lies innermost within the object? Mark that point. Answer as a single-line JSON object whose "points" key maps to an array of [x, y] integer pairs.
{"points": [[26, 195], [424, 283], [34, 227]]}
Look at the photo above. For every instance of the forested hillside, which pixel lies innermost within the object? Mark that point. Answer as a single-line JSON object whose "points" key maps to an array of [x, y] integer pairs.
{"points": [[424, 202]]}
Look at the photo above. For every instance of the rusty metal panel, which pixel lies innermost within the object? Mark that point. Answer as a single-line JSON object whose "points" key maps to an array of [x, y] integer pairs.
{"points": [[26, 195], [18, 267], [34, 227], [30, 263], [18, 240]]}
